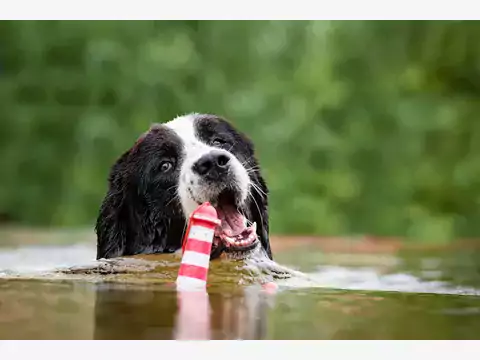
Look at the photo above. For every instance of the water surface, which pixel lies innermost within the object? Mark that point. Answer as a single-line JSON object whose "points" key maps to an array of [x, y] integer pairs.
{"points": [[406, 295]]}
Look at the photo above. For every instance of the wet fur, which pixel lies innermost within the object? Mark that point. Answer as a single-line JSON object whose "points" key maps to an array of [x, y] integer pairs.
{"points": [[142, 213]]}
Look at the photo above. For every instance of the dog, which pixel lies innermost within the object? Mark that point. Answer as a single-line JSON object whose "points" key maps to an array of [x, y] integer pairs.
{"points": [[175, 166]]}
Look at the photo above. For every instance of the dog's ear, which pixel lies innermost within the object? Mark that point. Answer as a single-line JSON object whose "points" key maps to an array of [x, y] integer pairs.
{"points": [[125, 226], [127, 223], [111, 226], [259, 210]]}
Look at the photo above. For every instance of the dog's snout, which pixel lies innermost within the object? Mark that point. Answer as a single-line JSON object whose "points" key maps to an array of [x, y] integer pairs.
{"points": [[212, 165]]}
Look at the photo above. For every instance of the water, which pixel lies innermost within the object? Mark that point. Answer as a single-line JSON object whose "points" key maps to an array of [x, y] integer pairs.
{"points": [[406, 295]]}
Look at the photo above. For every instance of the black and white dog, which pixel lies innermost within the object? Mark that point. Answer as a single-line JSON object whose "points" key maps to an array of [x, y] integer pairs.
{"points": [[174, 167]]}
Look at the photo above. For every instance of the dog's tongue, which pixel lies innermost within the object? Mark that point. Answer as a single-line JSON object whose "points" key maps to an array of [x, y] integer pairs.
{"points": [[233, 223]]}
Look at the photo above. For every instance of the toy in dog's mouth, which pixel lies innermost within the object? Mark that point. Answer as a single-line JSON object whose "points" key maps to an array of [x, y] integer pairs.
{"points": [[236, 233]]}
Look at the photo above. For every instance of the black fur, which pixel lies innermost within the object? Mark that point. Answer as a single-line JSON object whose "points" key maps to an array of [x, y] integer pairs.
{"points": [[141, 214]]}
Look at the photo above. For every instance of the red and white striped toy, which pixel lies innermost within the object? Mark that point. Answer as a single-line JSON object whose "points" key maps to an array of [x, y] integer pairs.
{"points": [[197, 246]]}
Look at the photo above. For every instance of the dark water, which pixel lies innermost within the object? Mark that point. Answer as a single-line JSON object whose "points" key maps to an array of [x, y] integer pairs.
{"points": [[409, 296]]}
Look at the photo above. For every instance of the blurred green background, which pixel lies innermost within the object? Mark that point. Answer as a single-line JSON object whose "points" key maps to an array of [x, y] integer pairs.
{"points": [[362, 127]]}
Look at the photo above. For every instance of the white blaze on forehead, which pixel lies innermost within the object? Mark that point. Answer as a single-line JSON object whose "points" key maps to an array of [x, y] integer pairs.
{"points": [[184, 127], [193, 147]]}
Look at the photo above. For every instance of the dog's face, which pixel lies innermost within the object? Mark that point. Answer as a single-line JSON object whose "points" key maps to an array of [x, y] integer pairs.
{"points": [[173, 168]]}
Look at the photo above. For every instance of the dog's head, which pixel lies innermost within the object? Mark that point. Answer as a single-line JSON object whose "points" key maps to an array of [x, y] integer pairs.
{"points": [[174, 167]]}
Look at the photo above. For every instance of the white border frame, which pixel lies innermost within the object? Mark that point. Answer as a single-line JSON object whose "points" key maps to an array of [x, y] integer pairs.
{"points": [[233, 350], [246, 10]]}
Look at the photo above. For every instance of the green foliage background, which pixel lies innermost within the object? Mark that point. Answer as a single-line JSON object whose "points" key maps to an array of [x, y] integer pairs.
{"points": [[361, 126]]}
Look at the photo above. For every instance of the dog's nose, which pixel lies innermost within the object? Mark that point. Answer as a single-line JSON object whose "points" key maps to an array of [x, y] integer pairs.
{"points": [[212, 165]]}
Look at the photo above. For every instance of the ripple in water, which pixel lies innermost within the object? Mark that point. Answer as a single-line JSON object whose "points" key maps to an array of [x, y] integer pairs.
{"points": [[43, 260], [370, 279]]}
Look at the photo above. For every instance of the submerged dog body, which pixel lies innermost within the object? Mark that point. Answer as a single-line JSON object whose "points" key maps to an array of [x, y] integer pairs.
{"points": [[174, 167]]}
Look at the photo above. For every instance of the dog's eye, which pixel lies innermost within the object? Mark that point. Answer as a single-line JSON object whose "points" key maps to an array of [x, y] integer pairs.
{"points": [[166, 166], [218, 142]]}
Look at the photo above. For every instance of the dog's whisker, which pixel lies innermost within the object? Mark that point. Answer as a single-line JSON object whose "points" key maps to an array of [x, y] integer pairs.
{"points": [[176, 197], [251, 167], [172, 187], [252, 170], [258, 190], [242, 211], [184, 230], [231, 147], [258, 208], [248, 161]]}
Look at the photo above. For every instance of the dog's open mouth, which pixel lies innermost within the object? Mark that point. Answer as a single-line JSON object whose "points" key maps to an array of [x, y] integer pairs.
{"points": [[235, 233]]}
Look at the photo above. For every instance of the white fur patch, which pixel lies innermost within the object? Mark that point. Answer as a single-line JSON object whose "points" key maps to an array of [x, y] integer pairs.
{"points": [[192, 191]]}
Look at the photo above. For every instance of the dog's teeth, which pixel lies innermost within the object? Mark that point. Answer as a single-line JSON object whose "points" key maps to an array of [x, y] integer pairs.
{"points": [[239, 242], [229, 239]]}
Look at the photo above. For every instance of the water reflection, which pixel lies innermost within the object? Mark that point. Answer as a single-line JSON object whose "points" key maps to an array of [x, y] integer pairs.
{"points": [[40, 310], [75, 310], [46, 310], [155, 313]]}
